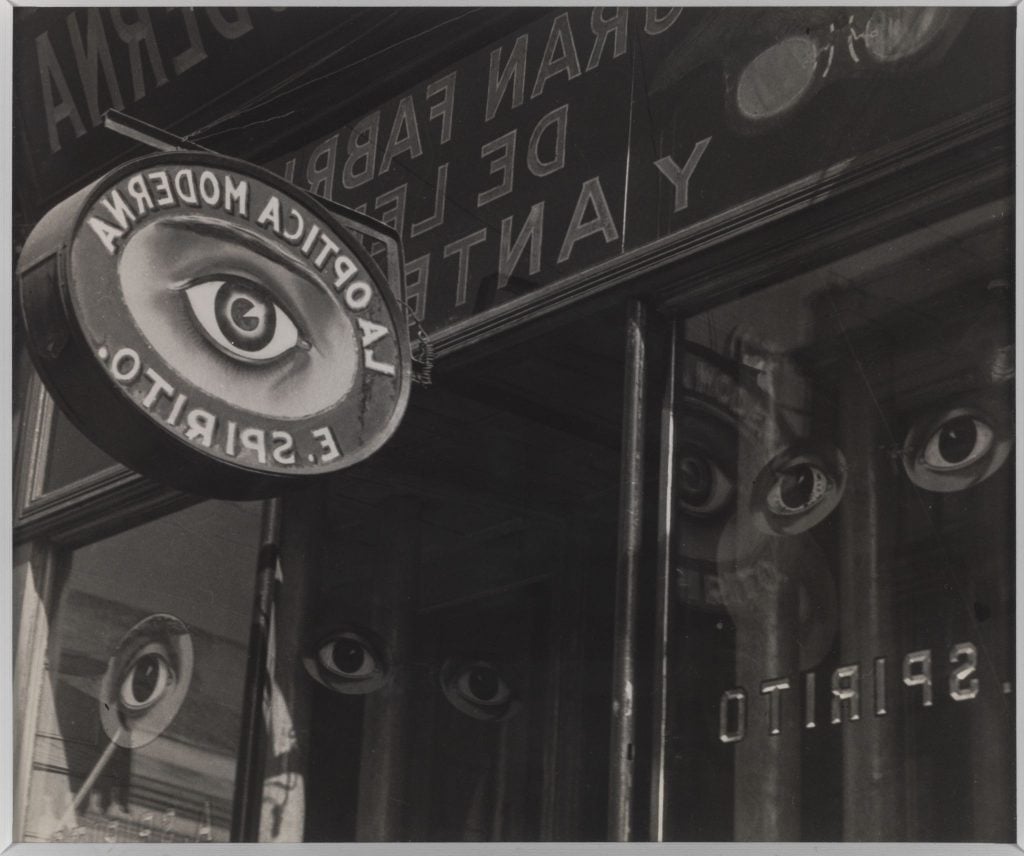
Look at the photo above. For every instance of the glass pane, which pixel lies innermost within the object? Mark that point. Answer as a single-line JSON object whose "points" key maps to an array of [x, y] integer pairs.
{"points": [[842, 644], [458, 641], [72, 456], [140, 708]]}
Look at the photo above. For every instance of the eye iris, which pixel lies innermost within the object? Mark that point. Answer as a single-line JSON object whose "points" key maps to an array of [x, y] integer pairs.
{"points": [[145, 676], [348, 656], [245, 316], [799, 488], [796, 486], [695, 487], [484, 683], [957, 439]]}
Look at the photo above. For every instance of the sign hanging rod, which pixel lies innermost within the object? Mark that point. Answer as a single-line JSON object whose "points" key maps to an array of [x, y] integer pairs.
{"points": [[150, 135]]}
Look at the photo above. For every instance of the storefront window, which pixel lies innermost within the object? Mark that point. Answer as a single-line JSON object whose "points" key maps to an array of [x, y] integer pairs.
{"points": [[777, 605], [140, 705], [842, 567], [457, 643]]}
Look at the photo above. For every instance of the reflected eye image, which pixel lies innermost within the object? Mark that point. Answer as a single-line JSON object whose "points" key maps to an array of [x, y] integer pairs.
{"points": [[146, 681], [703, 489], [148, 678], [704, 485], [478, 689], [242, 319], [797, 490], [349, 662], [958, 448], [958, 443]]}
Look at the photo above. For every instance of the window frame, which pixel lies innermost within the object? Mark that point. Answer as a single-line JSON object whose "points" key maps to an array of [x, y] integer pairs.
{"points": [[87, 508]]}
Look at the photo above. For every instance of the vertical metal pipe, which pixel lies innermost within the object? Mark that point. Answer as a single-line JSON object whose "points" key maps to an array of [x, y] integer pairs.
{"points": [[766, 799], [286, 758], [620, 790], [874, 806], [390, 715], [663, 594], [766, 802], [245, 818], [31, 681]]}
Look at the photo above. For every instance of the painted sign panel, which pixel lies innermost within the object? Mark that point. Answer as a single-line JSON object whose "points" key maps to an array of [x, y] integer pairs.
{"points": [[210, 328], [499, 173], [595, 132], [163, 65]]}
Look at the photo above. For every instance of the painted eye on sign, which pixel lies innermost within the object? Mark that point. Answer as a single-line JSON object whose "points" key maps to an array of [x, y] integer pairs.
{"points": [[211, 327]]}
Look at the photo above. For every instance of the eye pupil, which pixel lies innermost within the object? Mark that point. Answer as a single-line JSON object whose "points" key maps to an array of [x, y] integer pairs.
{"points": [[695, 486], [484, 683], [245, 316], [241, 318], [145, 677], [348, 656], [796, 486], [242, 314], [957, 439], [348, 662]]}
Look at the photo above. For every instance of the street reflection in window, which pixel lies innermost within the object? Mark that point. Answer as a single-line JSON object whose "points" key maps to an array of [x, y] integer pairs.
{"points": [[141, 698], [841, 553]]}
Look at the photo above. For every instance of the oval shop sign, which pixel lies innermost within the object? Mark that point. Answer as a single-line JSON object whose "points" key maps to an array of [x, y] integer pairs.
{"points": [[212, 327]]}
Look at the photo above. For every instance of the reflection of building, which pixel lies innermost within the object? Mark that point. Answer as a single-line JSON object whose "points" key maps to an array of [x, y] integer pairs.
{"points": [[761, 590]]}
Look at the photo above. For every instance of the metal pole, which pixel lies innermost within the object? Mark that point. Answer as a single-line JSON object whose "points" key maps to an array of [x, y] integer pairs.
{"points": [[245, 821], [391, 714], [874, 775], [620, 790], [663, 594]]}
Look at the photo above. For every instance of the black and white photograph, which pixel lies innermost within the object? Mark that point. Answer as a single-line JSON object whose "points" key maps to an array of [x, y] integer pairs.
{"points": [[513, 423]]}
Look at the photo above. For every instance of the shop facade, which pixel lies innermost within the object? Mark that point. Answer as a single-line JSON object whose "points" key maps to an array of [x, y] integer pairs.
{"points": [[698, 522]]}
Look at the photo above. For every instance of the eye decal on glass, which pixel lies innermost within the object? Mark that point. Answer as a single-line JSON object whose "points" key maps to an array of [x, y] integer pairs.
{"points": [[348, 661], [478, 689], [797, 490], [704, 489], [242, 319], [146, 681], [958, 443], [956, 449]]}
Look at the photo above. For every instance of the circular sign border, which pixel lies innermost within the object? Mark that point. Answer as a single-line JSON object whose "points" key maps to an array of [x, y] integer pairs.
{"points": [[63, 354]]}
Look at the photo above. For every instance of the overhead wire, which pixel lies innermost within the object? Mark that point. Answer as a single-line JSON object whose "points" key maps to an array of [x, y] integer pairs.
{"points": [[278, 91], [263, 98]]}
